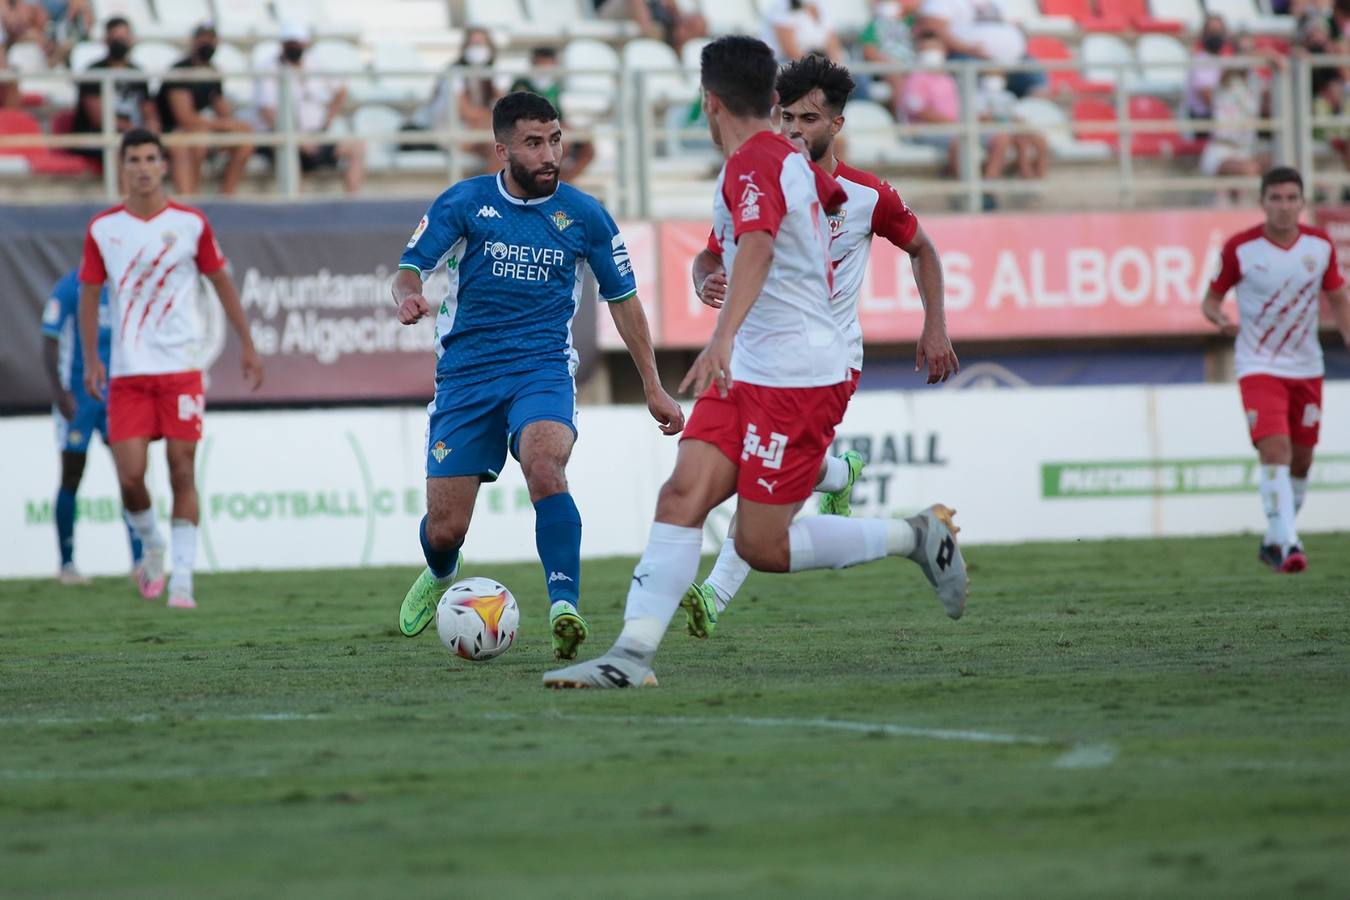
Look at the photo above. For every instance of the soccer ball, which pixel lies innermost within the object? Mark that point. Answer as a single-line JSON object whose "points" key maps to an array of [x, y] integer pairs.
{"points": [[477, 618]]}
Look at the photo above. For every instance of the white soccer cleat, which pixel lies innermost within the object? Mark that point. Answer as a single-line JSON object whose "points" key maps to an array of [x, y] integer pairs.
{"points": [[181, 600], [940, 558], [69, 576], [616, 669], [150, 578]]}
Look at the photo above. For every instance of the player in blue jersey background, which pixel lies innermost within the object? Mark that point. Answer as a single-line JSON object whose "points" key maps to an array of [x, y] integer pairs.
{"points": [[77, 414], [516, 245]]}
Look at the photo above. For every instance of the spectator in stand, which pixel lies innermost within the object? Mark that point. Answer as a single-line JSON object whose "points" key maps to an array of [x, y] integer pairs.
{"points": [[1231, 149], [975, 29], [1328, 87], [1205, 74], [318, 99], [663, 20], [889, 40], [1031, 151], [132, 104], [69, 22], [794, 28], [9, 90], [1313, 34], [472, 95], [543, 80], [22, 21], [200, 106]]}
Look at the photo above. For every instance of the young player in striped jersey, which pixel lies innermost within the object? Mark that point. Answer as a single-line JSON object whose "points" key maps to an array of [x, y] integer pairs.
{"points": [[812, 92], [1279, 270]]}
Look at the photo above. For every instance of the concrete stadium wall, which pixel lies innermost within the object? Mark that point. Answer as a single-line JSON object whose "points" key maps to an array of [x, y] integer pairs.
{"points": [[344, 487]]}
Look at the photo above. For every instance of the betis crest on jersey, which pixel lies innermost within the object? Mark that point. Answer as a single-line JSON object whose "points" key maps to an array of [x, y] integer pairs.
{"points": [[561, 220]]}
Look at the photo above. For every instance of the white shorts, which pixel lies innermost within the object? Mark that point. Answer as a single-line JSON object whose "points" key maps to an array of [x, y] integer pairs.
{"points": [[1216, 153]]}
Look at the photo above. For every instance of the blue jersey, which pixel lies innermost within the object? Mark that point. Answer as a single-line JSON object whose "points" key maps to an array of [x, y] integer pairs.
{"points": [[515, 270], [60, 321]]}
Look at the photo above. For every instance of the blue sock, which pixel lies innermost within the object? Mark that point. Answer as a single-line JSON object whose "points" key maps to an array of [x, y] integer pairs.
{"points": [[440, 562], [557, 535], [65, 524], [137, 551]]}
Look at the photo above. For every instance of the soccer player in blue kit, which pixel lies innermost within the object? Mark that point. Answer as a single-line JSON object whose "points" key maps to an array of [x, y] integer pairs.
{"points": [[77, 414], [515, 244]]}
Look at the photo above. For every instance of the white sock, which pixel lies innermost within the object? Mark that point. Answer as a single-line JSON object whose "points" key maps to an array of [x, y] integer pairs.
{"points": [[834, 542], [728, 574], [143, 523], [835, 477], [660, 579], [1300, 486], [1277, 497], [183, 538]]}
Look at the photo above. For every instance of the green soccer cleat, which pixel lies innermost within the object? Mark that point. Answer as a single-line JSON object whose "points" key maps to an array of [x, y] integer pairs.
{"points": [[568, 628], [700, 610], [836, 503], [419, 604]]}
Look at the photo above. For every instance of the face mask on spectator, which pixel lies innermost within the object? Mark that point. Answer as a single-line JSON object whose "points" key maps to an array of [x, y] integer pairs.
{"points": [[993, 84], [477, 55], [1213, 43], [205, 52], [889, 10], [933, 56], [293, 52], [118, 49]]}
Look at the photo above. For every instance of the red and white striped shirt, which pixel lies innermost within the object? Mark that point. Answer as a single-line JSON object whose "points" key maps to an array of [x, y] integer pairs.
{"points": [[152, 268], [1277, 293]]}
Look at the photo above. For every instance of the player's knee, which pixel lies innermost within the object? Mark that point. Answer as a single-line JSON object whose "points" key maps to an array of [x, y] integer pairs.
{"points": [[763, 554], [446, 532], [545, 477], [679, 503]]}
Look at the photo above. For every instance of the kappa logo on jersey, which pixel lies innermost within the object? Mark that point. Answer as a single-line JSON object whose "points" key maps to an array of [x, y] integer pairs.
{"points": [[417, 232], [440, 451], [750, 195], [1312, 414], [488, 212], [770, 454], [619, 250], [560, 220], [191, 406]]}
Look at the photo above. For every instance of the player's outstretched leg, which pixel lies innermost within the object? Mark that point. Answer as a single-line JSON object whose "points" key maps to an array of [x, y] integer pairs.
{"points": [[936, 552], [840, 474], [700, 607], [419, 604], [557, 537]]}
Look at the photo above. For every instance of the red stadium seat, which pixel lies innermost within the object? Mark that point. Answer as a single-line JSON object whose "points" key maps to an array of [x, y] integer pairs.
{"points": [[1063, 81], [1142, 20], [1086, 15], [1142, 143], [41, 160]]}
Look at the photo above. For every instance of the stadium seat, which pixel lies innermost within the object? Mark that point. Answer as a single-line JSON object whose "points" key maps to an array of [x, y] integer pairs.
{"points": [[1190, 13], [1141, 20], [389, 54], [40, 160], [28, 58], [850, 15], [380, 152], [137, 12], [1244, 15], [1027, 15], [231, 61], [731, 16], [665, 83], [86, 53], [504, 14], [264, 54], [691, 55], [156, 57], [177, 18], [1086, 15], [550, 20], [1163, 64], [1052, 121], [1062, 81], [1144, 143], [872, 140], [245, 19], [1100, 55], [593, 93]]}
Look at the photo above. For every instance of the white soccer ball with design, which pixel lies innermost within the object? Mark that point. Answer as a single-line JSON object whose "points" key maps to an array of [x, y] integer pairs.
{"points": [[477, 618]]}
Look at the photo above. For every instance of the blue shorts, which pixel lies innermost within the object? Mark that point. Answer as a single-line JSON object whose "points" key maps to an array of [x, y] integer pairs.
{"points": [[471, 426], [91, 415]]}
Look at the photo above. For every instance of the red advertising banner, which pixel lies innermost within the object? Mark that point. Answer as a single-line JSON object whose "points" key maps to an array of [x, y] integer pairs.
{"points": [[1029, 276]]}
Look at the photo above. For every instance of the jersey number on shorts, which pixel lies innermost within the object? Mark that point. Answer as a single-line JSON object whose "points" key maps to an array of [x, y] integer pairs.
{"points": [[190, 406], [771, 453]]}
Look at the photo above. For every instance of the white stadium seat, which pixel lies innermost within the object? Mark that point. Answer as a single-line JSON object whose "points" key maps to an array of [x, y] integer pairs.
{"points": [[589, 94], [1244, 15], [731, 16], [1058, 130], [232, 62], [380, 152], [1098, 49], [872, 140], [389, 54], [28, 58], [849, 15], [265, 54], [504, 14], [666, 82], [86, 53], [245, 19], [1163, 63], [1190, 13], [1027, 14], [177, 18], [691, 55], [137, 12], [156, 57]]}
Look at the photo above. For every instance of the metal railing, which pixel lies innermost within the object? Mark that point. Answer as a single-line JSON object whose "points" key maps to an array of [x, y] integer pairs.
{"points": [[642, 137]]}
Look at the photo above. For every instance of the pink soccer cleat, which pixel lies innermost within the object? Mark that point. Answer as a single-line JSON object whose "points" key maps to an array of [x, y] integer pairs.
{"points": [[150, 575], [181, 601], [1294, 561]]}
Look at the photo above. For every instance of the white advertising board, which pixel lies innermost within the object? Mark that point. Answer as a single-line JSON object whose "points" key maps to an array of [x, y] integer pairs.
{"points": [[345, 487]]}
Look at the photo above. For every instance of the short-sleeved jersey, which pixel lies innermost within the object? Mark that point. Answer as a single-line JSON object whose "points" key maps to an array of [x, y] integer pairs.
{"points": [[203, 93], [872, 207], [60, 322], [152, 268], [516, 269], [790, 337], [1277, 293]]}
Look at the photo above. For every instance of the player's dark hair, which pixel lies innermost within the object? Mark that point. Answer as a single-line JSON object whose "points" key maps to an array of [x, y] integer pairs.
{"points": [[802, 76], [516, 106], [138, 137], [543, 51], [116, 22], [1281, 175], [740, 71]]}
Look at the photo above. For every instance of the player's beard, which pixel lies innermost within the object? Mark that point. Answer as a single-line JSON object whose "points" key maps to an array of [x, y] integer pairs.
{"points": [[820, 148], [533, 183]]}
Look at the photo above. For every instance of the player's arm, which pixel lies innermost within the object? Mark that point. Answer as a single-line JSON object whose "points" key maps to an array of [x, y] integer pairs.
{"points": [[407, 290], [710, 278], [95, 376], [51, 364], [631, 322], [935, 346], [234, 312], [1339, 299], [1230, 273], [184, 111], [754, 257], [1212, 309]]}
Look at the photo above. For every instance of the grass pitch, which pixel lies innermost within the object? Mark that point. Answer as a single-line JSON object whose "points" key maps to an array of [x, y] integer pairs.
{"points": [[1122, 719]]}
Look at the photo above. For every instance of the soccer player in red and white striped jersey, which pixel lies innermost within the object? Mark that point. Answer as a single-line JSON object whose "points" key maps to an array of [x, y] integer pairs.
{"points": [[812, 92], [151, 253], [1279, 269]]}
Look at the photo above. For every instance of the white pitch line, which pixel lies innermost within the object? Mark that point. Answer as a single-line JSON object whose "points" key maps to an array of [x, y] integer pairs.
{"points": [[1087, 756]]}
